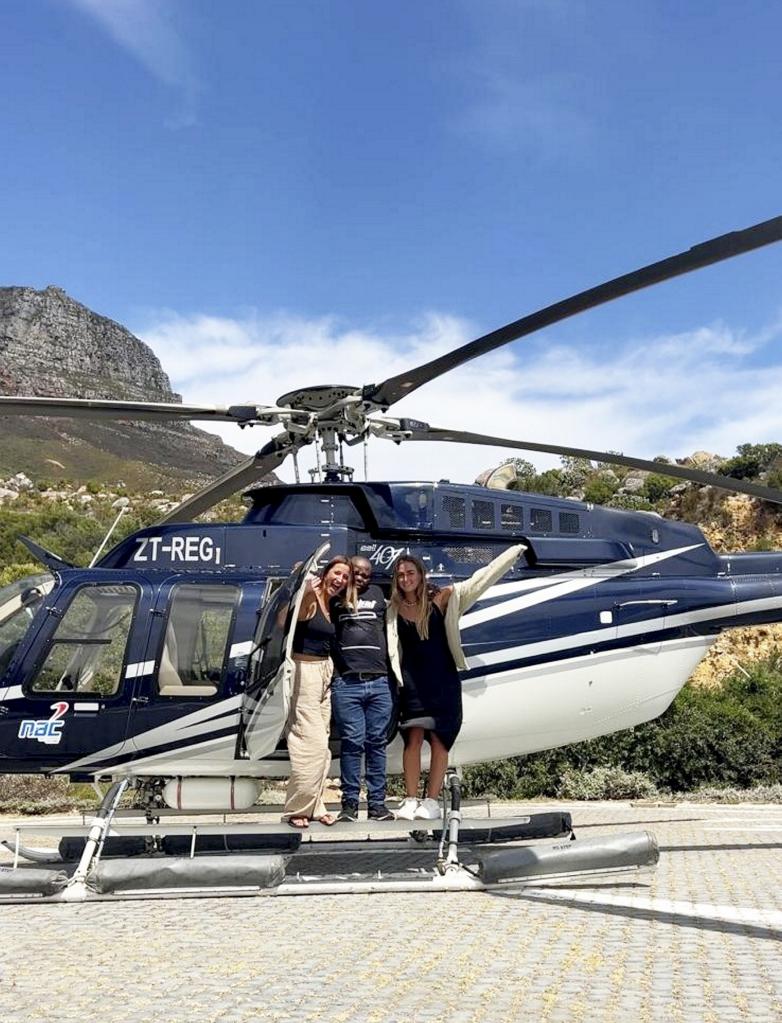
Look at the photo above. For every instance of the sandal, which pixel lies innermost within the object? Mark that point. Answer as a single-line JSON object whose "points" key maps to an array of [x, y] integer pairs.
{"points": [[328, 819], [300, 823]]}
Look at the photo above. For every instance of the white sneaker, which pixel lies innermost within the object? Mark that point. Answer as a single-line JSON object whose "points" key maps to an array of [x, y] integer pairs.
{"points": [[407, 809], [428, 810]]}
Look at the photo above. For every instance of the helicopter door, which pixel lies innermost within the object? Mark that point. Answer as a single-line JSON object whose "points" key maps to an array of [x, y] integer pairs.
{"points": [[78, 686], [184, 679], [266, 701]]}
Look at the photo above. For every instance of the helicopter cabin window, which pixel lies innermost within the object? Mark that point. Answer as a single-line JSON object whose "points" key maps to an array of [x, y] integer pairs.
{"points": [[87, 650], [540, 518], [512, 517], [195, 649], [483, 515], [568, 522], [453, 509]]}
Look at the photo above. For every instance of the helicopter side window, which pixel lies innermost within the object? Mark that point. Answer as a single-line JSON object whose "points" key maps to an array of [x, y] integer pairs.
{"points": [[483, 515], [568, 522], [453, 507], [196, 642], [88, 647], [512, 517], [541, 520]]}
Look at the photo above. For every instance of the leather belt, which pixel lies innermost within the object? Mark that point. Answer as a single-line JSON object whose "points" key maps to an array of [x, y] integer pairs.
{"points": [[363, 676]]}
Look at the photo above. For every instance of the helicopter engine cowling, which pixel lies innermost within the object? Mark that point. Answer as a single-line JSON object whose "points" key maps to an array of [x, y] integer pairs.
{"points": [[211, 793]]}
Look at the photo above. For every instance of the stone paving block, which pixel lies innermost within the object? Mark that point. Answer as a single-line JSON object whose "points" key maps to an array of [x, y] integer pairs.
{"points": [[471, 958]]}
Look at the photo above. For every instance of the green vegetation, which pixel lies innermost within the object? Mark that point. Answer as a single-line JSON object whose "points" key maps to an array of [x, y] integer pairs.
{"points": [[752, 460], [73, 524]]}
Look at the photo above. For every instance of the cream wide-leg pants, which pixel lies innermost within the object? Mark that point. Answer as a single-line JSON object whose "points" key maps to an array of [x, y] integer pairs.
{"points": [[308, 738]]}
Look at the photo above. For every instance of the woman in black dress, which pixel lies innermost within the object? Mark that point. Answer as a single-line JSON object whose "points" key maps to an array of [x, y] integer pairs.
{"points": [[426, 654]]}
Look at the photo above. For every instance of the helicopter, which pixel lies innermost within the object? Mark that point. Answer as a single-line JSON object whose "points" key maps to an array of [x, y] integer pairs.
{"points": [[166, 662]]}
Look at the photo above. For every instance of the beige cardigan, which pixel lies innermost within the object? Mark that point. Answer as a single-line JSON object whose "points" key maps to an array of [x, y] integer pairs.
{"points": [[464, 595]]}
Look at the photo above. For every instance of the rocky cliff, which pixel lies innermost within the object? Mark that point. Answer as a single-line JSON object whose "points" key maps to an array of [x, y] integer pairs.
{"points": [[53, 345]]}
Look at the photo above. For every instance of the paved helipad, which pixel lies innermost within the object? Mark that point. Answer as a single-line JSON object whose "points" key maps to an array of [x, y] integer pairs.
{"points": [[700, 942]]}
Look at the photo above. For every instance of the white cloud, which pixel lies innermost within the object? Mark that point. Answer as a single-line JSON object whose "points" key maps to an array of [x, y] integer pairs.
{"points": [[673, 394], [144, 28], [515, 100], [541, 114]]}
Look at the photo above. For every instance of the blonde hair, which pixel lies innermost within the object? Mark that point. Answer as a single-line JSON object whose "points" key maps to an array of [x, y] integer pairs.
{"points": [[421, 593]]}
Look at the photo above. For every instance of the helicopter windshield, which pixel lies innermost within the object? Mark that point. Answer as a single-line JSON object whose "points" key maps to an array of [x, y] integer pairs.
{"points": [[18, 604], [87, 650]]}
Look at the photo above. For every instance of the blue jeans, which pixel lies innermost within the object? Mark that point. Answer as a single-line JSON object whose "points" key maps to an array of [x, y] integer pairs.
{"points": [[363, 712]]}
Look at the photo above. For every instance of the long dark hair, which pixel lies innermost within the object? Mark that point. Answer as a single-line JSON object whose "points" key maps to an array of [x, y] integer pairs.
{"points": [[422, 594]]}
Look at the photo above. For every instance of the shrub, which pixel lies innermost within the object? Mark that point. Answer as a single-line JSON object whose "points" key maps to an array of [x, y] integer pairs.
{"points": [[606, 783], [630, 502], [35, 793], [600, 490], [751, 460], [656, 487], [758, 794]]}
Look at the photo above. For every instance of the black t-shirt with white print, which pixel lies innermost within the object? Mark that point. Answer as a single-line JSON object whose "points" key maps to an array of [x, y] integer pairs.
{"points": [[360, 642]]}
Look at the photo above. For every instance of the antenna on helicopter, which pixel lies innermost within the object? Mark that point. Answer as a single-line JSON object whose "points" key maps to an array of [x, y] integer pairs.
{"points": [[106, 538]]}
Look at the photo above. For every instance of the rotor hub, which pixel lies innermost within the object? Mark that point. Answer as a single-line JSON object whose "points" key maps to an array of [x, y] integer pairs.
{"points": [[316, 399]]}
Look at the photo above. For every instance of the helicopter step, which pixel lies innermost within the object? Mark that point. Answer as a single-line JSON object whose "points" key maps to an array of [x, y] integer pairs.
{"points": [[130, 839]]}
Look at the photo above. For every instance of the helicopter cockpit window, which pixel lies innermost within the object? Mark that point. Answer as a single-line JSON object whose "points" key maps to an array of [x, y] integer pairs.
{"points": [[196, 642], [483, 515], [18, 605], [88, 648]]}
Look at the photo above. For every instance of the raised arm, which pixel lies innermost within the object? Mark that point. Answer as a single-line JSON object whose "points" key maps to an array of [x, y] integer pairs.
{"points": [[470, 590]]}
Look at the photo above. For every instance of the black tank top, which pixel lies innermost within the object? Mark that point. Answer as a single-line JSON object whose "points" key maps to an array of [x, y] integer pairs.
{"points": [[314, 636]]}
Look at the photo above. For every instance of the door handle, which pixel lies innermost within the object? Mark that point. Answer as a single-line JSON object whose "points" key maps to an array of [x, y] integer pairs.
{"points": [[141, 700]]}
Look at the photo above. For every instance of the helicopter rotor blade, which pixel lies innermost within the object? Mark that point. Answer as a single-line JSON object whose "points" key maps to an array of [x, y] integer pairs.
{"points": [[421, 431], [726, 246], [239, 477], [100, 408]]}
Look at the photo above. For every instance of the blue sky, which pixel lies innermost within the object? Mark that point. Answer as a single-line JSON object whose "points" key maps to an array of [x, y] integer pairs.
{"points": [[275, 194]]}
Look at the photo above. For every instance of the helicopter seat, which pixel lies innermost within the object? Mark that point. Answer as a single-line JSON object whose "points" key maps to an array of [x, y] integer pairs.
{"points": [[170, 682]]}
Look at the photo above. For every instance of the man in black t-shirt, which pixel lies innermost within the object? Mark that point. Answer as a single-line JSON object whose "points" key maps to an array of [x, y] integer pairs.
{"points": [[362, 696]]}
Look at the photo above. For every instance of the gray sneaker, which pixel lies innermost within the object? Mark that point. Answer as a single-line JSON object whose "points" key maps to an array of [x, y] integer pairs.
{"points": [[348, 813], [380, 812]]}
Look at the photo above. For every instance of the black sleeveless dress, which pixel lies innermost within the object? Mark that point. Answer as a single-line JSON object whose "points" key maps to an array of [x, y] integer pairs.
{"points": [[431, 684]]}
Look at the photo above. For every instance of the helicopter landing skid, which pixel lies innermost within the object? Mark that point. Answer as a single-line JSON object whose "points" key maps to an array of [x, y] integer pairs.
{"points": [[201, 860]]}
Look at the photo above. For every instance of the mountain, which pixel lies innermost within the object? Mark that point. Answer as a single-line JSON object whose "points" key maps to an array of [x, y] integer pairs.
{"points": [[51, 345]]}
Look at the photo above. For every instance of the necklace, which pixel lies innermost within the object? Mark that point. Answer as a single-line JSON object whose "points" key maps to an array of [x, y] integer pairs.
{"points": [[410, 603]]}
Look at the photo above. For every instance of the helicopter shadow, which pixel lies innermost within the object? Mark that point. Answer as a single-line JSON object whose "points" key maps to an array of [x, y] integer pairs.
{"points": [[766, 933]]}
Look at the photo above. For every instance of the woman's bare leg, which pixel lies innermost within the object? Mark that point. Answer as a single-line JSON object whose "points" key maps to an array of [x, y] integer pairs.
{"points": [[411, 761], [437, 767]]}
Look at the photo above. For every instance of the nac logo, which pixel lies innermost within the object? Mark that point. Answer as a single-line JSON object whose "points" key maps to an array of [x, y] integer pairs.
{"points": [[49, 730]]}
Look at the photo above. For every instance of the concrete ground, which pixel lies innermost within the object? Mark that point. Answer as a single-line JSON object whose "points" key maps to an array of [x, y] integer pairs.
{"points": [[700, 941]]}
